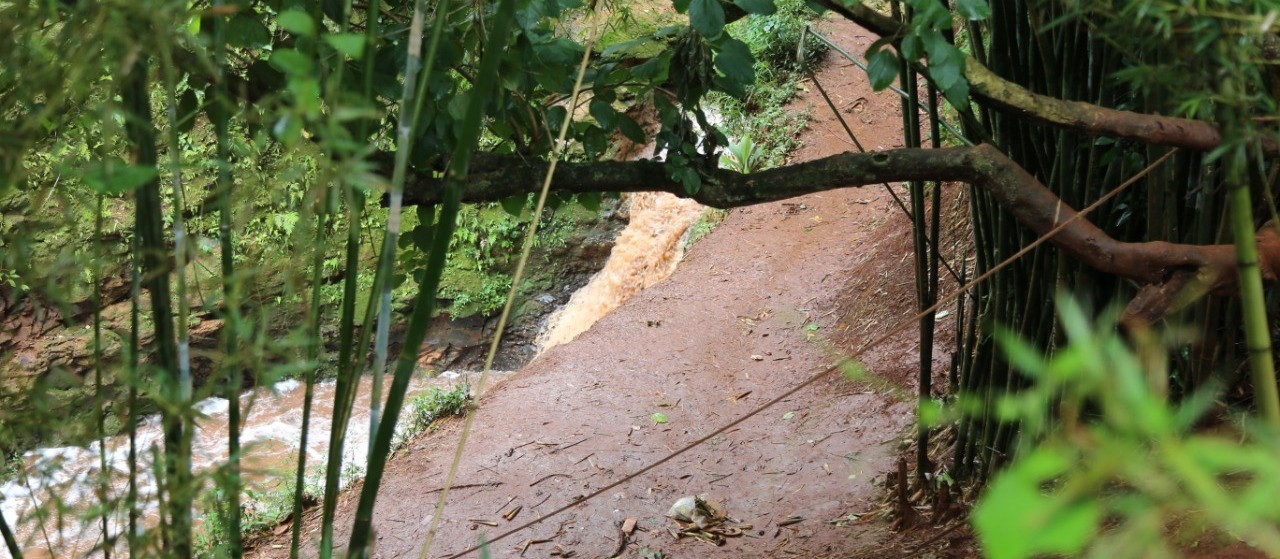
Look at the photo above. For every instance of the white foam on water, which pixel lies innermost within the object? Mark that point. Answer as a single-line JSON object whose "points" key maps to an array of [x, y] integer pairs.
{"points": [[70, 476]]}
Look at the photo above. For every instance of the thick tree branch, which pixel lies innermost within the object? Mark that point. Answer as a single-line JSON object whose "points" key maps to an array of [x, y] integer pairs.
{"points": [[1190, 270], [994, 91]]}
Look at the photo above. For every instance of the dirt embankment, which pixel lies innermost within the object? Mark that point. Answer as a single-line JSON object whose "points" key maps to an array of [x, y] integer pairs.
{"points": [[762, 303]]}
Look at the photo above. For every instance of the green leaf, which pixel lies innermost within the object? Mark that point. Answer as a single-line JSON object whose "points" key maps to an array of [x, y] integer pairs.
{"points": [[882, 68], [973, 9], [930, 413], [759, 7], [306, 93], [788, 415], [655, 69], [590, 200], [188, 106], [422, 236], [1021, 354], [659, 418], [555, 117], [958, 95], [604, 113], [113, 177], [630, 129], [946, 62], [287, 129], [515, 204], [707, 17], [736, 63], [297, 22], [681, 6], [627, 47], [1016, 519], [350, 44], [247, 31], [595, 141], [689, 178], [291, 62], [912, 47]]}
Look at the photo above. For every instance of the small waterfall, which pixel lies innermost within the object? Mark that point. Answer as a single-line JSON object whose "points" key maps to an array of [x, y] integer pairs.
{"points": [[645, 253]]}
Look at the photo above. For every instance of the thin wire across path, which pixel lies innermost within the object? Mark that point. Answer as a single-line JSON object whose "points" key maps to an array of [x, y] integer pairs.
{"points": [[851, 359]]}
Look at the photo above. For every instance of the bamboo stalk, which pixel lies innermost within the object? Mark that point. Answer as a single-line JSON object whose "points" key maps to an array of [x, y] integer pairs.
{"points": [[345, 395], [1257, 332], [176, 525], [9, 542], [182, 485], [95, 279], [486, 79], [230, 305], [131, 495]]}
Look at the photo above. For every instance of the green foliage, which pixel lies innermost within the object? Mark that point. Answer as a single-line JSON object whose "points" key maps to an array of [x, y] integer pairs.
{"points": [[707, 221], [774, 40], [261, 511], [743, 156], [759, 117], [428, 407], [926, 38], [882, 68], [1101, 440]]}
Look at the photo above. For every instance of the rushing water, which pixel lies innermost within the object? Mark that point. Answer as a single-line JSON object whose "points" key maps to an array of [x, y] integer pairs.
{"points": [[645, 253], [63, 482], [67, 479]]}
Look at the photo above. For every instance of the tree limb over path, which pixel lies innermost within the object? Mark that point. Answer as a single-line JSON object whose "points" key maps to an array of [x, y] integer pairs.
{"points": [[991, 90], [1178, 274]]}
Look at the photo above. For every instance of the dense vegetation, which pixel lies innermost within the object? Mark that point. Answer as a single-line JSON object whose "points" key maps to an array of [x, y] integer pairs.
{"points": [[292, 168]]}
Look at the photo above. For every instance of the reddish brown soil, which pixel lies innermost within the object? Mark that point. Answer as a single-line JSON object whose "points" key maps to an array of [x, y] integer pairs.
{"points": [[728, 331]]}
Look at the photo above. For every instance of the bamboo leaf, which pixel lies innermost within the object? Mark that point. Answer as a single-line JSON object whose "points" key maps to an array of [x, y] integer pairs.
{"points": [[297, 22], [247, 31], [350, 44]]}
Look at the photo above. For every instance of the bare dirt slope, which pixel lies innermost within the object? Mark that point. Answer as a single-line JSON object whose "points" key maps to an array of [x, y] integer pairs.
{"points": [[757, 306]]}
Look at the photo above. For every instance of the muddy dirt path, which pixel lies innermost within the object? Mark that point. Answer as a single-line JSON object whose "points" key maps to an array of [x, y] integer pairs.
{"points": [[756, 307]]}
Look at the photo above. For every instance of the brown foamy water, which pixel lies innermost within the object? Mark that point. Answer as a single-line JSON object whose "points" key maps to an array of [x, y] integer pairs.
{"points": [[646, 252], [64, 482]]}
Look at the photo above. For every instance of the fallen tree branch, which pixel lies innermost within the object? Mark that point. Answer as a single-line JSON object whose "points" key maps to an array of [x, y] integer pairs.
{"points": [[1030, 202]]}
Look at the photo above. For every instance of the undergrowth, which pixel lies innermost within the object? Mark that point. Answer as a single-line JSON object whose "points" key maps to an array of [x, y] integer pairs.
{"points": [[264, 510], [261, 511], [708, 220], [430, 406], [761, 114]]}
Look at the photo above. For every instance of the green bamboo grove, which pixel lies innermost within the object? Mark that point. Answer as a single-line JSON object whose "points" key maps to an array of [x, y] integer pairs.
{"points": [[140, 141]]}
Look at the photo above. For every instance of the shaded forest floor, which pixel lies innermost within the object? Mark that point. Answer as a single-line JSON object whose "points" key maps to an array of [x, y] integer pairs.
{"points": [[769, 298]]}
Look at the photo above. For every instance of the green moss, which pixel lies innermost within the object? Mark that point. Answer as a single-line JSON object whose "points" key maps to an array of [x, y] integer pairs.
{"points": [[708, 220], [635, 20]]}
